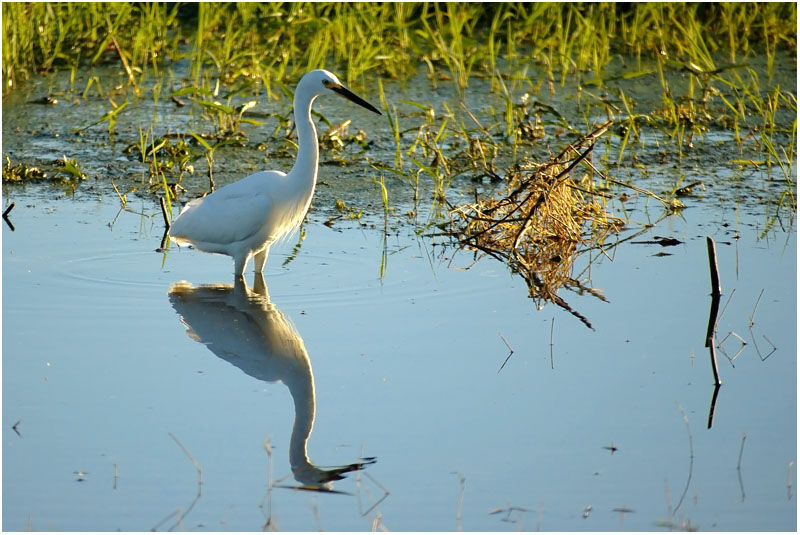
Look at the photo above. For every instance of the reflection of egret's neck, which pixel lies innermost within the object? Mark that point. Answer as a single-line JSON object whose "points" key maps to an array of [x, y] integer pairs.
{"points": [[244, 328], [302, 391]]}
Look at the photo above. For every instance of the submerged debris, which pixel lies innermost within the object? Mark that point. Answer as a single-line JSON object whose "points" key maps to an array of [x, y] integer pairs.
{"points": [[537, 222]]}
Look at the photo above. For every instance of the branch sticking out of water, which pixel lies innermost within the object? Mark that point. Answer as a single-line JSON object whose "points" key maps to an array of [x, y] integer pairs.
{"points": [[164, 213], [716, 293], [5, 216], [716, 289], [712, 406]]}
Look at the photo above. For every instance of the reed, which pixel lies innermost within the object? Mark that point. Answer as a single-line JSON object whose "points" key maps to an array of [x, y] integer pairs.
{"points": [[269, 41], [231, 54]]}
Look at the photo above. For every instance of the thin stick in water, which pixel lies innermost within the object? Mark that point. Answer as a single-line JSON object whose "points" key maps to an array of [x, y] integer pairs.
{"points": [[511, 352], [181, 514], [753, 315], [741, 348], [269, 524], [712, 406], [716, 289], [691, 457], [189, 455], [164, 213], [774, 347], [714, 368], [122, 198], [375, 503], [463, 481], [739, 465], [716, 293], [668, 497], [727, 302], [552, 324], [5, 216]]}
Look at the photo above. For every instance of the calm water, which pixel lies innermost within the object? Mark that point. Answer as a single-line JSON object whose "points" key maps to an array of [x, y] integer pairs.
{"points": [[120, 381], [99, 371]]}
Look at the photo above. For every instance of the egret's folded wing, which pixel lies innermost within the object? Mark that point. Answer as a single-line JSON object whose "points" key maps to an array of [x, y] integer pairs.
{"points": [[230, 215]]}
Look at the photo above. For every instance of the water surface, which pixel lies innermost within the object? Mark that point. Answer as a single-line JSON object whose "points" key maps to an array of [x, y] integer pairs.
{"points": [[99, 371], [126, 370]]}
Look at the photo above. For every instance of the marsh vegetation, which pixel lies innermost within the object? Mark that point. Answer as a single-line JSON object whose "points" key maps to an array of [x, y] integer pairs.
{"points": [[705, 68], [544, 140], [475, 97]]}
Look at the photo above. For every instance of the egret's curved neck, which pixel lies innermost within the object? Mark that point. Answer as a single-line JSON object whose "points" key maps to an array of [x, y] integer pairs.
{"points": [[304, 172]]}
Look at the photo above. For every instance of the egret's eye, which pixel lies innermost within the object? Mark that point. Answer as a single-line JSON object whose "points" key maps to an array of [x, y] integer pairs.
{"points": [[327, 83]]}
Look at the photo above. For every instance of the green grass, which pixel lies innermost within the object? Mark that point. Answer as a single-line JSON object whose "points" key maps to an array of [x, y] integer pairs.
{"points": [[699, 57], [269, 43]]}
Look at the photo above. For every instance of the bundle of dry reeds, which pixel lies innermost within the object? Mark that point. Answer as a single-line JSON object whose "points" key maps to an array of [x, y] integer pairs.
{"points": [[537, 222]]}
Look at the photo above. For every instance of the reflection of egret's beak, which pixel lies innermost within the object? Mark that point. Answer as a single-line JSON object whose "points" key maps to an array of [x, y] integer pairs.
{"points": [[317, 478], [352, 97]]}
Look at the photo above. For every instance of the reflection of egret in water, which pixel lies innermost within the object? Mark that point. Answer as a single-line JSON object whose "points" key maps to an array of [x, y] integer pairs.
{"points": [[243, 327]]}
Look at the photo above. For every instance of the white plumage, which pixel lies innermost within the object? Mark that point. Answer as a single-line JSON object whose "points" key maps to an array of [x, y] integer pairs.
{"points": [[244, 218]]}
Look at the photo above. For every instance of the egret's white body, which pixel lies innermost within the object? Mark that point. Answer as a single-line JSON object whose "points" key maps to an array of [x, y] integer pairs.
{"points": [[244, 218]]}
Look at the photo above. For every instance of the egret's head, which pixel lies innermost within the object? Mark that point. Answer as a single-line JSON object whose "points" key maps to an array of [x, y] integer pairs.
{"points": [[322, 82]]}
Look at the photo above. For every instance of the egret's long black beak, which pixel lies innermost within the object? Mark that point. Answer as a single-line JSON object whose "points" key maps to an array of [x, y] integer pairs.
{"points": [[352, 97]]}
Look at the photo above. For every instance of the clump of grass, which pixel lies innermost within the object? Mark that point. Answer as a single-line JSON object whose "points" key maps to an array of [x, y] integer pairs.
{"points": [[449, 35], [21, 172], [345, 211], [69, 168], [64, 172], [109, 117], [536, 223], [338, 138], [38, 37]]}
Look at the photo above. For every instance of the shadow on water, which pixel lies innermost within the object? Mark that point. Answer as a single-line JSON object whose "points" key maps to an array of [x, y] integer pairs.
{"points": [[243, 327]]}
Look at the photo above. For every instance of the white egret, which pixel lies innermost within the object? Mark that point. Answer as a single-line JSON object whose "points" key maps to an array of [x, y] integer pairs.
{"points": [[244, 218]]}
